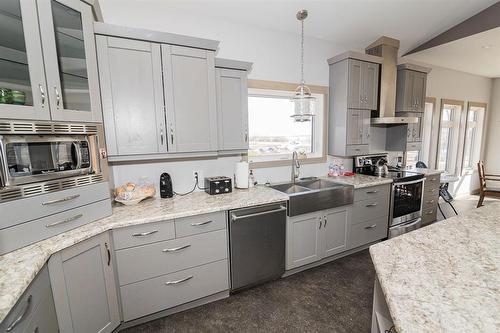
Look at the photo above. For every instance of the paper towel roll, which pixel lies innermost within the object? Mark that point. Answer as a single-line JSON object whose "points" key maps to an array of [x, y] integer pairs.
{"points": [[241, 175]]}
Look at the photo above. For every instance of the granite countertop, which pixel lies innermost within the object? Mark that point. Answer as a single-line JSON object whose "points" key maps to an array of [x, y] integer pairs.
{"points": [[444, 277], [426, 172], [361, 181], [18, 268]]}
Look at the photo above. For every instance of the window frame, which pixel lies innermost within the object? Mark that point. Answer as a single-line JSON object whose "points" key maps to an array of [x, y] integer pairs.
{"points": [[290, 87], [453, 166], [478, 136]]}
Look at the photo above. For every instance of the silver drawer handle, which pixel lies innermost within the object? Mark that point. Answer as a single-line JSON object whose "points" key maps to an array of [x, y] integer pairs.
{"points": [[429, 202], [371, 226], [68, 198], [76, 217], [372, 192], [433, 179], [200, 223], [429, 212], [21, 316], [147, 233], [175, 249], [372, 205], [168, 283]]}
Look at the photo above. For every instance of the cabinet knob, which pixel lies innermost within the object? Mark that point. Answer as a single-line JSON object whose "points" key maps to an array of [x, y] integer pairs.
{"points": [[42, 95]]}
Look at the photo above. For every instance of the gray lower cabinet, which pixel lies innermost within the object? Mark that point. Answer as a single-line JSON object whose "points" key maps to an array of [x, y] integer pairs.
{"points": [[166, 264], [132, 96], [34, 311], [84, 289], [430, 198], [189, 82], [370, 216], [314, 236], [232, 109]]}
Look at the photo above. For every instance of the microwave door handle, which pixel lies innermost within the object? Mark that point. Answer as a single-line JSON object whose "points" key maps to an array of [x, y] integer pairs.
{"points": [[78, 154]]}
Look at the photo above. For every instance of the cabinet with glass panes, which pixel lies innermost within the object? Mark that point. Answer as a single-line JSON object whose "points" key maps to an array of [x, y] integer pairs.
{"points": [[48, 66]]}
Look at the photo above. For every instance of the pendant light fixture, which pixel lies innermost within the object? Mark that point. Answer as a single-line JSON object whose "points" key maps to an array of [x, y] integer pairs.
{"points": [[303, 100]]}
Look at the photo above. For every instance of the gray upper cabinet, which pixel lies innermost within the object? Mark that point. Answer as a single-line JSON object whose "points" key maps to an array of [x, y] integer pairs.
{"points": [[62, 84], [232, 109], [369, 79], [355, 90], [132, 96], [66, 27], [21, 61], [363, 84], [189, 82], [353, 94], [411, 91], [84, 289]]}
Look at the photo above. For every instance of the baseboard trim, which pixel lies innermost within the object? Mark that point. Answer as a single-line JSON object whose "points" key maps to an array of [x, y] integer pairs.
{"points": [[179, 308], [327, 260]]}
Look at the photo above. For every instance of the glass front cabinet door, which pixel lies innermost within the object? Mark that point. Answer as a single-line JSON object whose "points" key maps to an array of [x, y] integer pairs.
{"points": [[70, 59], [23, 90], [62, 84]]}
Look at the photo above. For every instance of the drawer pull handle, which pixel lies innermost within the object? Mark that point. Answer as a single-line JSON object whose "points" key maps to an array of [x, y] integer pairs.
{"points": [[372, 192], [433, 179], [21, 315], [68, 198], [147, 233], [371, 226], [169, 283], [175, 249], [200, 223], [372, 205], [429, 202], [76, 217], [429, 212]]}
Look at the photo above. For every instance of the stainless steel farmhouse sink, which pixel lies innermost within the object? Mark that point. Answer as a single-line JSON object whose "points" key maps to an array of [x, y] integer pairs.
{"points": [[312, 195]]}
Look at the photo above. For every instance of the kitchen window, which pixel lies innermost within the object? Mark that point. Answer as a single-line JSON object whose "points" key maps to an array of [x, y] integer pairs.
{"points": [[273, 133], [448, 135], [473, 134]]}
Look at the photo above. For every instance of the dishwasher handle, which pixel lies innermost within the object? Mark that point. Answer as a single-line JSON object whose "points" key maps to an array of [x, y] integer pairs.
{"points": [[236, 217]]}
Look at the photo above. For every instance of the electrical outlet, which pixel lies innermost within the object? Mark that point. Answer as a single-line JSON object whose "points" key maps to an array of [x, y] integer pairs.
{"points": [[198, 175]]}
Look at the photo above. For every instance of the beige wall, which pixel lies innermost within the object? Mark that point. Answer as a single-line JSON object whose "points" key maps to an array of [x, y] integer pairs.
{"points": [[492, 137]]}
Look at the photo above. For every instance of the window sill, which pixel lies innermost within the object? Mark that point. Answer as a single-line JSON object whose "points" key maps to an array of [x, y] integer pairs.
{"points": [[287, 162]]}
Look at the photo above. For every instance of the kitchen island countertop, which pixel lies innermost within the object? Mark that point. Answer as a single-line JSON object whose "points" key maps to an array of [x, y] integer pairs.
{"points": [[444, 277]]}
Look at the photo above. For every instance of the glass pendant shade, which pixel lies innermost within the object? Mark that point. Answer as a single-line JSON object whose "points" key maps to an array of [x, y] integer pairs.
{"points": [[304, 104]]}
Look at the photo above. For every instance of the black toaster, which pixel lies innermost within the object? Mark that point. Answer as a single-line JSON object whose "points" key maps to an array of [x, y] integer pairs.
{"points": [[218, 185]]}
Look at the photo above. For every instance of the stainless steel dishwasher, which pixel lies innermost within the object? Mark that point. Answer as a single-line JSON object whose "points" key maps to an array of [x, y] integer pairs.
{"points": [[257, 244]]}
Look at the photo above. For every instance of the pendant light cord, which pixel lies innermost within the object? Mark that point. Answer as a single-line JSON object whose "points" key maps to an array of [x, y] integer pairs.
{"points": [[302, 56]]}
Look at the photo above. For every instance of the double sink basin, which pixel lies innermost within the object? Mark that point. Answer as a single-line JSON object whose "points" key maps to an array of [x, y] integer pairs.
{"points": [[307, 196]]}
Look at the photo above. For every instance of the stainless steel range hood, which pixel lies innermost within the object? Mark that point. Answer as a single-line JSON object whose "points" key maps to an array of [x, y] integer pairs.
{"points": [[387, 48]]}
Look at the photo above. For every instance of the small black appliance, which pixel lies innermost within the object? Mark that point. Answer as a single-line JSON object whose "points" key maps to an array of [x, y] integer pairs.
{"points": [[166, 190], [218, 185]]}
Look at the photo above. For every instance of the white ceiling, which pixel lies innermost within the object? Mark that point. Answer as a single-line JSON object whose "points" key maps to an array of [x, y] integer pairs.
{"points": [[478, 54], [350, 23]]}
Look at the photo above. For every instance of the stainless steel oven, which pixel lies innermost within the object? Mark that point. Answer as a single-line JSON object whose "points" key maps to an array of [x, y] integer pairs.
{"points": [[406, 206], [42, 157]]}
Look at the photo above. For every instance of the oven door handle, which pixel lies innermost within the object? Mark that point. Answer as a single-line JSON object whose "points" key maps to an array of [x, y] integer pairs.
{"points": [[409, 224], [408, 183]]}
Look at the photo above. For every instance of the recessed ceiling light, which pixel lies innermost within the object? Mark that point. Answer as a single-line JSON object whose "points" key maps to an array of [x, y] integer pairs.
{"points": [[487, 46]]}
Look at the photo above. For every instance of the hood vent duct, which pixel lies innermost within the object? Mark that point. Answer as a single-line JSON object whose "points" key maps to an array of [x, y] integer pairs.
{"points": [[387, 48]]}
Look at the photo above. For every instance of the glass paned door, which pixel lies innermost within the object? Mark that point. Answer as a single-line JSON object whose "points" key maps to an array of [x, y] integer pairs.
{"points": [[70, 59], [74, 94], [22, 82]]}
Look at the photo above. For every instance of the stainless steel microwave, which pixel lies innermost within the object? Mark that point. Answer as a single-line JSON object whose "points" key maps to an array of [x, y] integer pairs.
{"points": [[54, 154]]}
